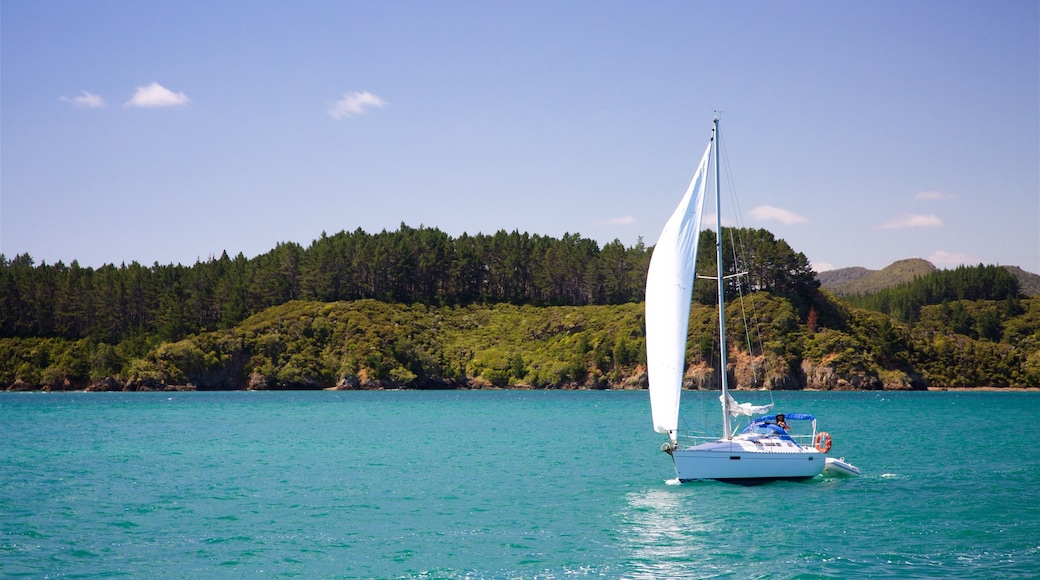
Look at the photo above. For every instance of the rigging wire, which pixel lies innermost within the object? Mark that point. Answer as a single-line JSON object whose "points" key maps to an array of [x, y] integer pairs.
{"points": [[738, 243]]}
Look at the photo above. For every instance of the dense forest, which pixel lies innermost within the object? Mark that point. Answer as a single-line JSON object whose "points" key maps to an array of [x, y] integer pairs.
{"points": [[418, 308], [905, 301], [407, 266]]}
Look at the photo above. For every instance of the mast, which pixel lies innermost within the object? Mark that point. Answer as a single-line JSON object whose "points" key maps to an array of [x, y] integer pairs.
{"points": [[722, 298]]}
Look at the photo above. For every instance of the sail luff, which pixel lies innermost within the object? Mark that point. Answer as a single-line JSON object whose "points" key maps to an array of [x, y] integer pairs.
{"points": [[669, 285]]}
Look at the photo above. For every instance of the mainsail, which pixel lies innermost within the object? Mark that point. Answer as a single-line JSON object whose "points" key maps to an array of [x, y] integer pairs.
{"points": [[669, 284], [747, 409]]}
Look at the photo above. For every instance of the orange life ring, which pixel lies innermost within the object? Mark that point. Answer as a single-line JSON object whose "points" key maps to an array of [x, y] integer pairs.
{"points": [[822, 441]]}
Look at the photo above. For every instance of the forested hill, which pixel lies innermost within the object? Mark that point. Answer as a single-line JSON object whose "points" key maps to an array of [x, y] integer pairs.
{"points": [[1028, 282], [416, 308], [407, 266], [858, 280], [846, 281], [410, 265]]}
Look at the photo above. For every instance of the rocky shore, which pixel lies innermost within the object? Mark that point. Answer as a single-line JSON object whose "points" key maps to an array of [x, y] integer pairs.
{"points": [[743, 375]]}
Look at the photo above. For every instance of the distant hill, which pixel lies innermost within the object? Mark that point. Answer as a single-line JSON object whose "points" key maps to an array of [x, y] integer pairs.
{"points": [[857, 280], [1028, 282]]}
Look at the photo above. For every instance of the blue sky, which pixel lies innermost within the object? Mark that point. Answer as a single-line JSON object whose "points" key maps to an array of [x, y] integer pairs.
{"points": [[860, 132]]}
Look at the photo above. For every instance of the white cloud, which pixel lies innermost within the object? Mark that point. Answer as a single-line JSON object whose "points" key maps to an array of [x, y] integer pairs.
{"points": [[355, 104], [941, 258], [909, 220], [709, 219], [87, 100], [617, 221], [156, 95], [933, 196], [770, 213], [822, 266]]}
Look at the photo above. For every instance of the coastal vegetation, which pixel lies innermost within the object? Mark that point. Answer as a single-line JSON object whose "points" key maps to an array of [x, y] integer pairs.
{"points": [[416, 308]]}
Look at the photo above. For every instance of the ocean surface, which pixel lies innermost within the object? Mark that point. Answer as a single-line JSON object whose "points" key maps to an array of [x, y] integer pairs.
{"points": [[502, 484]]}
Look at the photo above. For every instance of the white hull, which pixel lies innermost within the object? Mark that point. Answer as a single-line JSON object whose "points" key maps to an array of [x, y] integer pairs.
{"points": [[747, 462]]}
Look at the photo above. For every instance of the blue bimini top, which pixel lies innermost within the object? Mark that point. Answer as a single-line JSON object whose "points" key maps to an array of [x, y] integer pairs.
{"points": [[768, 423], [788, 416]]}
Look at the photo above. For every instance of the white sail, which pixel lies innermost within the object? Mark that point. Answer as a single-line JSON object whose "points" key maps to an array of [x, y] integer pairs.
{"points": [[669, 285], [747, 409]]}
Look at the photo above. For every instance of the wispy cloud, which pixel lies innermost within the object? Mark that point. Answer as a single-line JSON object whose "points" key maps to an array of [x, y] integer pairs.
{"points": [[156, 95], [933, 196], [822, 266], [770, 213], [910, 220], [942, 258], [617, 221], [86, 100], [353, 104]]}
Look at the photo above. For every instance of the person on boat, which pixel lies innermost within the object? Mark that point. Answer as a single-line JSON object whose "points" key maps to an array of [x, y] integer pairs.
{"points": [[781, 422]]}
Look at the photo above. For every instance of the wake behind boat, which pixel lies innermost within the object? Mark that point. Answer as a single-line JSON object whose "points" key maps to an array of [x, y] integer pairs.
{"points": [[764, 451]]}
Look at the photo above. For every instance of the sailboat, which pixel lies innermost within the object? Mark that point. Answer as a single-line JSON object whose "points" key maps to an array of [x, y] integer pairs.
{"points": [[764, 451]]}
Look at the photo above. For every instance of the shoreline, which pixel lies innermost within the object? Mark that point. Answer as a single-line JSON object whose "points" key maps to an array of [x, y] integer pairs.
{"points": [[192, 388], [988, 389]]}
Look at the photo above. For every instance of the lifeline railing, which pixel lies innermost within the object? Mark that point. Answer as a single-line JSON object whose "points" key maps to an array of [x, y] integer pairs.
{"points": [[689, 438]]}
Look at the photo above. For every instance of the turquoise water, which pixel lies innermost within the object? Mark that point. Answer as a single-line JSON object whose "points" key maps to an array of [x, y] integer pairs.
{"points": [[501, 484]]}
